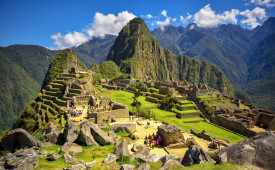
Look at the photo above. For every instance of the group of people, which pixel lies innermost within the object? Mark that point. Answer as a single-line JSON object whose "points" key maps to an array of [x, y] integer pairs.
{"points": [[75, 113], [215, 145], [153, 140]]}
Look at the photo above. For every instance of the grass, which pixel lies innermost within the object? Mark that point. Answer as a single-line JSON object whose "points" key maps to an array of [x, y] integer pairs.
{"points": [[121, 133], [184, 101], [242, 106], [193, 119], [221, 104], [186, 111], [206, 96], [187, 105], [162, 115], [88, 154]]}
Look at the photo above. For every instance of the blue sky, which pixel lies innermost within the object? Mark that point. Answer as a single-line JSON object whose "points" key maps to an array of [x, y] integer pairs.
{"points": [[59, 24]]}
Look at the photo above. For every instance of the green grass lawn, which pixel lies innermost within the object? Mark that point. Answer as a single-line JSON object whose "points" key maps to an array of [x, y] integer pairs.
{"points": [[186, 111], [162, 115], [184, 101], [187, 105], [192, 119]]}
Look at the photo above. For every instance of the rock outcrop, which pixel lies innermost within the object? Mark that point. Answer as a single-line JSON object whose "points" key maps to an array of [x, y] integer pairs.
{"points": [[71, 131], [124, 127], [138, 147], [170, 134], [127, 167], [22, 159], [259, 151], [85, 135], [196, 156], [52, 157], [18, 139], [99, 135], [109, 158], [68, 158], [122, 149], [71, 147], [171, 163]]}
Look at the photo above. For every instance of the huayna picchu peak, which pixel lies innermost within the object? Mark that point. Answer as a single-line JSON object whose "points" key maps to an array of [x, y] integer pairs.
{"points": [[136, 51]]}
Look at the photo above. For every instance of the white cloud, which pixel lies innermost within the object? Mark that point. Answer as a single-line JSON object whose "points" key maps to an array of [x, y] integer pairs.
{"points": [[109, 24], [101, 25], [266, 3], [174, 19], [184, 20], [164, 13], [164, 23], [149, 16], [206, 17], [253, 16], [69, 40]]}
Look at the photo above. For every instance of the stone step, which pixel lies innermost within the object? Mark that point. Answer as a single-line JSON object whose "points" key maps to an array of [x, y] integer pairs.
{"points": [[76, 91], [50, 93], [57, 85], [71, 94], [65, 78], [58, 82]]}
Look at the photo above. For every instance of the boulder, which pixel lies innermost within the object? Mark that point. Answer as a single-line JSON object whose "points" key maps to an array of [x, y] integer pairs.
{"points": [[145, 152], [54, 137], [71, 131], [144, 166], [127, 167], [85, 135], [103, 126], [75, 167], [114, 167], [122, 149], [109, 158], [52, 157], [99, 135], [170, 134], [259, 151], [46, 144], [167, 157], [71, 147], [42, 153], [18, 139], [112, 134], [90, 164], [138, 147], [196, 156], [171, 163], [152, 158], [68, 158], [22, 159], [51, 128], [124, 127]]}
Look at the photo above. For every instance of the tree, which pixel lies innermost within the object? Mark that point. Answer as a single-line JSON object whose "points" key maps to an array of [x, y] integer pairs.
{"points": [[169, 101], [137, 87]]}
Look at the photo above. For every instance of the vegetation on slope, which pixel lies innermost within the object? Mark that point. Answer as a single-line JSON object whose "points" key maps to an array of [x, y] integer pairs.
{"points": [[137, 52]]}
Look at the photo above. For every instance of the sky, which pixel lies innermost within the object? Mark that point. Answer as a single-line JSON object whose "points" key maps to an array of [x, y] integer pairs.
{"points": [[59, 24]]}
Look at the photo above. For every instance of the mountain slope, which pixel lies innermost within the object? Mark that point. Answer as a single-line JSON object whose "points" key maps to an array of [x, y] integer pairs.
{"points": [[136, 51], [95, 50], [22, 70], [194, 42], [261, 78]]}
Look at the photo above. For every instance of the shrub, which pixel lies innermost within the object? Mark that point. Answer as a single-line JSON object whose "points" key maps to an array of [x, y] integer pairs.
{"points": [[40, 137], [210, 110], [128, 160], [147, 113]]}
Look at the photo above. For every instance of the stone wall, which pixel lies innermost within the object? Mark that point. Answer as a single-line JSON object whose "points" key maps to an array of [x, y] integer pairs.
{"points": [[182, 107], [234, 125], [264, 120], [231, 107], [158, 96], [152, 99], [186, 115], [120, 113]]}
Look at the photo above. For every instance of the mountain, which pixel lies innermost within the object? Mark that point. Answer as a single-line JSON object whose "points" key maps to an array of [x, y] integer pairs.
{"points": [[22, 68], [261, 78], [95, 50], [136, 51], [194, 42]]}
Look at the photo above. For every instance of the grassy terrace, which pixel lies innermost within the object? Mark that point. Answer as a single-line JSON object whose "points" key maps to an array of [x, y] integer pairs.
{"points": [[184, 102], [186, 111], [162, 115], [186, 105]]}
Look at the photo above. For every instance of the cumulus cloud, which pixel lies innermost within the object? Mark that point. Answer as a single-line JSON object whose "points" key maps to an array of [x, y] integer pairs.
{"points": [[184, 20], [253, 16], [101, 25], [266, 3], [69, 40], [149, 16], [164, 13], [206, 17], [165, 22]]}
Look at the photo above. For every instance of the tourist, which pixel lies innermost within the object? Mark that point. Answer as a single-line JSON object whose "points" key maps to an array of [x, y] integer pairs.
{"points": [[113, 119], [153, 144], [154, 135], [148, 123], [157, 143], [108, 120], [220, 143], [150, 137], [160, 140], [146, 140], [150, 142]]}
